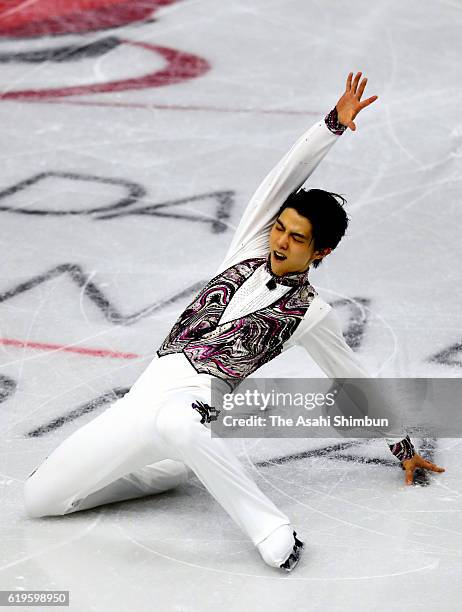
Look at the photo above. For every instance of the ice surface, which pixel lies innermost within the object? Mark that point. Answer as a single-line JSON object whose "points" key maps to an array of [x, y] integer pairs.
{"points": [[117, 203]]}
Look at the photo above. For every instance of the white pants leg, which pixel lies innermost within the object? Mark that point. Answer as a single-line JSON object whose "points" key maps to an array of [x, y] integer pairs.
{"points": [[101, 461], [216, 466], [105, 456], [150, 480]]}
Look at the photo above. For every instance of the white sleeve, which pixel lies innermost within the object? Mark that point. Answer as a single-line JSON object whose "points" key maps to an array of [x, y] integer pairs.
{"points": [[326, 345], [251, 236]]}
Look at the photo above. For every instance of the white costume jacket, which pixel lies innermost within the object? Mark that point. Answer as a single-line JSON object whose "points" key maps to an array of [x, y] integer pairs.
{"points": [[237, 323]]}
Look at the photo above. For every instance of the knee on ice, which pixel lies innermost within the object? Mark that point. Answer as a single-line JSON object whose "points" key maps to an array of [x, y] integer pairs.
{"points": [[37, 503]]}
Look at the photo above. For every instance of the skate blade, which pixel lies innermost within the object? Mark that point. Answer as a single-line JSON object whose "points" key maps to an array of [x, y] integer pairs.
{"points": [[294, 557]]}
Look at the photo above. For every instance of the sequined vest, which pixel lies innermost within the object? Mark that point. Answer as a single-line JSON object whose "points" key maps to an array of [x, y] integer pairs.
{"points": [[233, 350]]}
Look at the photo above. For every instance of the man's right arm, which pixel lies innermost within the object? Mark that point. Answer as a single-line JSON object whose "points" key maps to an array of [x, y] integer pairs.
{"points": [[326, 345]]}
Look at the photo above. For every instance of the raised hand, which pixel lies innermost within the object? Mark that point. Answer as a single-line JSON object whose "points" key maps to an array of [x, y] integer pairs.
{"points": [[350, 103], [417, 461]]}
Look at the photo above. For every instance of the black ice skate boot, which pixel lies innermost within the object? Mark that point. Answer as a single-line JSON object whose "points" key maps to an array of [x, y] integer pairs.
{"points": [[291, 562]]}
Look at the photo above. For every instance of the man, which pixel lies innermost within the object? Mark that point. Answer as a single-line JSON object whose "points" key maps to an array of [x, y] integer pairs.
{"points": [[258, 305]]}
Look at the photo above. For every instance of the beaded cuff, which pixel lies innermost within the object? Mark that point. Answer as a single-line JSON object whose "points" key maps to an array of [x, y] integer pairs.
{"points": [[403, 450], [331, 120]]}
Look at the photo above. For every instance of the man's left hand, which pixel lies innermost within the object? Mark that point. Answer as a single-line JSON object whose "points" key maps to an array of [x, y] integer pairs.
{"points": [[417, 461], [350, 103]]}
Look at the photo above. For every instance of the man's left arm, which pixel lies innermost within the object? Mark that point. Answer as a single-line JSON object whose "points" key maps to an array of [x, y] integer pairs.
{"points": [[326, 345], [293, 170], [250, 238]]}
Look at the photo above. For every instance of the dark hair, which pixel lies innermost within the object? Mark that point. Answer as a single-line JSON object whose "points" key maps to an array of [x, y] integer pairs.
{"points": [[325, 212]]}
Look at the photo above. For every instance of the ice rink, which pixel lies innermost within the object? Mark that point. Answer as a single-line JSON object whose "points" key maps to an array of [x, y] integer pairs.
{"points": [[133, 135]]}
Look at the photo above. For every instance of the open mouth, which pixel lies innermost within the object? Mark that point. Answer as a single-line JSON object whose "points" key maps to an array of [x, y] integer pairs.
{"points": [[279, 256]]}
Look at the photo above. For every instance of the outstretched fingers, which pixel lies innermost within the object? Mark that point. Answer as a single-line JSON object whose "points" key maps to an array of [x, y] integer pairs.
{"points": [[365, 103], [355, 83], [348, 82], [349, 105], [428, 465], [418, 462], [361, 88]]}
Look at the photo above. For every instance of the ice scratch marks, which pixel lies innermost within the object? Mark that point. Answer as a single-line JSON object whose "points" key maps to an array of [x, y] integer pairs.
{"points": [[48, 549], [271, 573]]}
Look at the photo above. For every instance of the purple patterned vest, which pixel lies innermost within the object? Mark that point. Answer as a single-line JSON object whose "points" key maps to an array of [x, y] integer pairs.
{"points": [[232, 351]]}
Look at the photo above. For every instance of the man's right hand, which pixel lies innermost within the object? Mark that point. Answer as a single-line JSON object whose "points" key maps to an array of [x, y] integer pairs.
{"points": [[409, 466]]}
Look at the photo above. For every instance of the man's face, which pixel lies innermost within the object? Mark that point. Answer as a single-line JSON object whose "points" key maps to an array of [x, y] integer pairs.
{"points": [[291, 243]]}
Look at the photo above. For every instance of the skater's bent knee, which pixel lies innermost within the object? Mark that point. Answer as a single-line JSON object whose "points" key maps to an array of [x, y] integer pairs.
{"points": [[37, 503], [33, 505], [176, 428]]}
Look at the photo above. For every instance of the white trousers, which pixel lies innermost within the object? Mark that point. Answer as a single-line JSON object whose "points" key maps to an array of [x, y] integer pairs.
{"points": [[143, 444]]}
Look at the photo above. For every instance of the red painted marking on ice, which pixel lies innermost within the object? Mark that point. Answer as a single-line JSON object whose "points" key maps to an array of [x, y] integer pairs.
{"points": [[176, 107], [180, 67], [23, 19], [68, 349]]}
